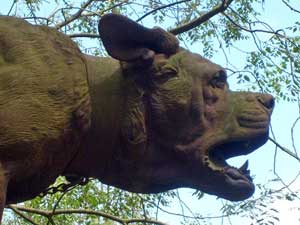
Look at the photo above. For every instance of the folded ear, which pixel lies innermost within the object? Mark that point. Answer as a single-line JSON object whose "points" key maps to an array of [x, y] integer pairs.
{"points": [[127, 40]]}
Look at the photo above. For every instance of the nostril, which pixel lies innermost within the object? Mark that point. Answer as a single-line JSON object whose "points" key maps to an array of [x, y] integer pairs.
{"points": [[271, 103], [267, 101]]}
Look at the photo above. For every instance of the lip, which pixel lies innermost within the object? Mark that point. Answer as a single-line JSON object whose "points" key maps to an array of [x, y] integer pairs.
{"points": [[238, 174], [248, 120], [220, 152], [253, 125], [234, 147], [240, 186]]}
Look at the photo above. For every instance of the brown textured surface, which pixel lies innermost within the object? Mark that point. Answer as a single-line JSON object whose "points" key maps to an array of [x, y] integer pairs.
{"points": [[162, 120], [42, 83]]}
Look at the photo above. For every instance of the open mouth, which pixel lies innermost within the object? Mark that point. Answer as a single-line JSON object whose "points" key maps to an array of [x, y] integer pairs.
{"points": [[220, 153]]}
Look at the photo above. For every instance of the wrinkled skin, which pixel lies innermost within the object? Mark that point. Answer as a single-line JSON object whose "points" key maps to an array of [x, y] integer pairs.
{"points": [[159, 119]]}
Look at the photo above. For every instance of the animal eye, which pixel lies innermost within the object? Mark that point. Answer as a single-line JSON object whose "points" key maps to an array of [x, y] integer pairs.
{"points": [[219, 80], [165, 74], [169, 71]]}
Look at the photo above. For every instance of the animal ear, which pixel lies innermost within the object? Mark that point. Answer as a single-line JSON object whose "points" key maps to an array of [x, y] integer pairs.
{"points": [[128, 41]]}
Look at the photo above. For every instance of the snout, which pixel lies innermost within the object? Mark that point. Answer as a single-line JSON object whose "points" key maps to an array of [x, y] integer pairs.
{"points": [[256, 101], [267, 101], [253, 110]]}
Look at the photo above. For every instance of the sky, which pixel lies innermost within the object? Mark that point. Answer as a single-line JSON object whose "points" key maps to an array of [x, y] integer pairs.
{"points": [[260, 161]]}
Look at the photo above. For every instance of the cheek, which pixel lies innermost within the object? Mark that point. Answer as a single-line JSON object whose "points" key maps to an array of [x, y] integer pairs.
{"points": [[175, 97], [210, 100], [170, 114], [215, 103], [171, 107]]}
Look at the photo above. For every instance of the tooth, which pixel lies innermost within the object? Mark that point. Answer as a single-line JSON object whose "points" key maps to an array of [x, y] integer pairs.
{"points": [[244, 167]]}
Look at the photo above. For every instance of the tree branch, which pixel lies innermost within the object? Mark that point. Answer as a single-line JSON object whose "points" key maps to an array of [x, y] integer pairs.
{"points": [[106, 10], [285, 149], [18, 212], [187, 216], [203, 18], [35, 18], [49, 214], [74, 16], [84, 35], [160, 8], [291, 8], [254, 30], [11, 7]]}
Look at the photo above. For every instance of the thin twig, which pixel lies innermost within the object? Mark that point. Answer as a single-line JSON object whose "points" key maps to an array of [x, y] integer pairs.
{"points": [[285, 149], [252, 30], [111, 7], [36, 17], [160, 8], [74, 16], [50, 220], [88, 13], [29, 6], [203, 18], [292, 134], [187, 216], [181, 206], [11, 7], [291, 8], [182, 203]]}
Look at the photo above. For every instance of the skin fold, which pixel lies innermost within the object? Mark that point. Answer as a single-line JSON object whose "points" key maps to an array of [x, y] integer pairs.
{"points": [[152, 118]]}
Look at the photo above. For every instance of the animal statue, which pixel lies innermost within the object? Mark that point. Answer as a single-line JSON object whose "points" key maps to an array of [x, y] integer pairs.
{"points": [[153, 117]]}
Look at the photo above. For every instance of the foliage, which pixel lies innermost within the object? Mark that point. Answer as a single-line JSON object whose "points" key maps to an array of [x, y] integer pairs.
{"points": [[261, 210], [271, 64], [92, 195]]}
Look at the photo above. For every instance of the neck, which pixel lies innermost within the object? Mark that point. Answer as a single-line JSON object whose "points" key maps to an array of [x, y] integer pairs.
{"points": [[103, 137]]}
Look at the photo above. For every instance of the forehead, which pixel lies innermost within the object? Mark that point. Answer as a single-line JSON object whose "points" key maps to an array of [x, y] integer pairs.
{"points": [[194, 64]]}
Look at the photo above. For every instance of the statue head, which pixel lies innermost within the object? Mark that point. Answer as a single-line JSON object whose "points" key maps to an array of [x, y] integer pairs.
{"points": [[180, 121]]}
